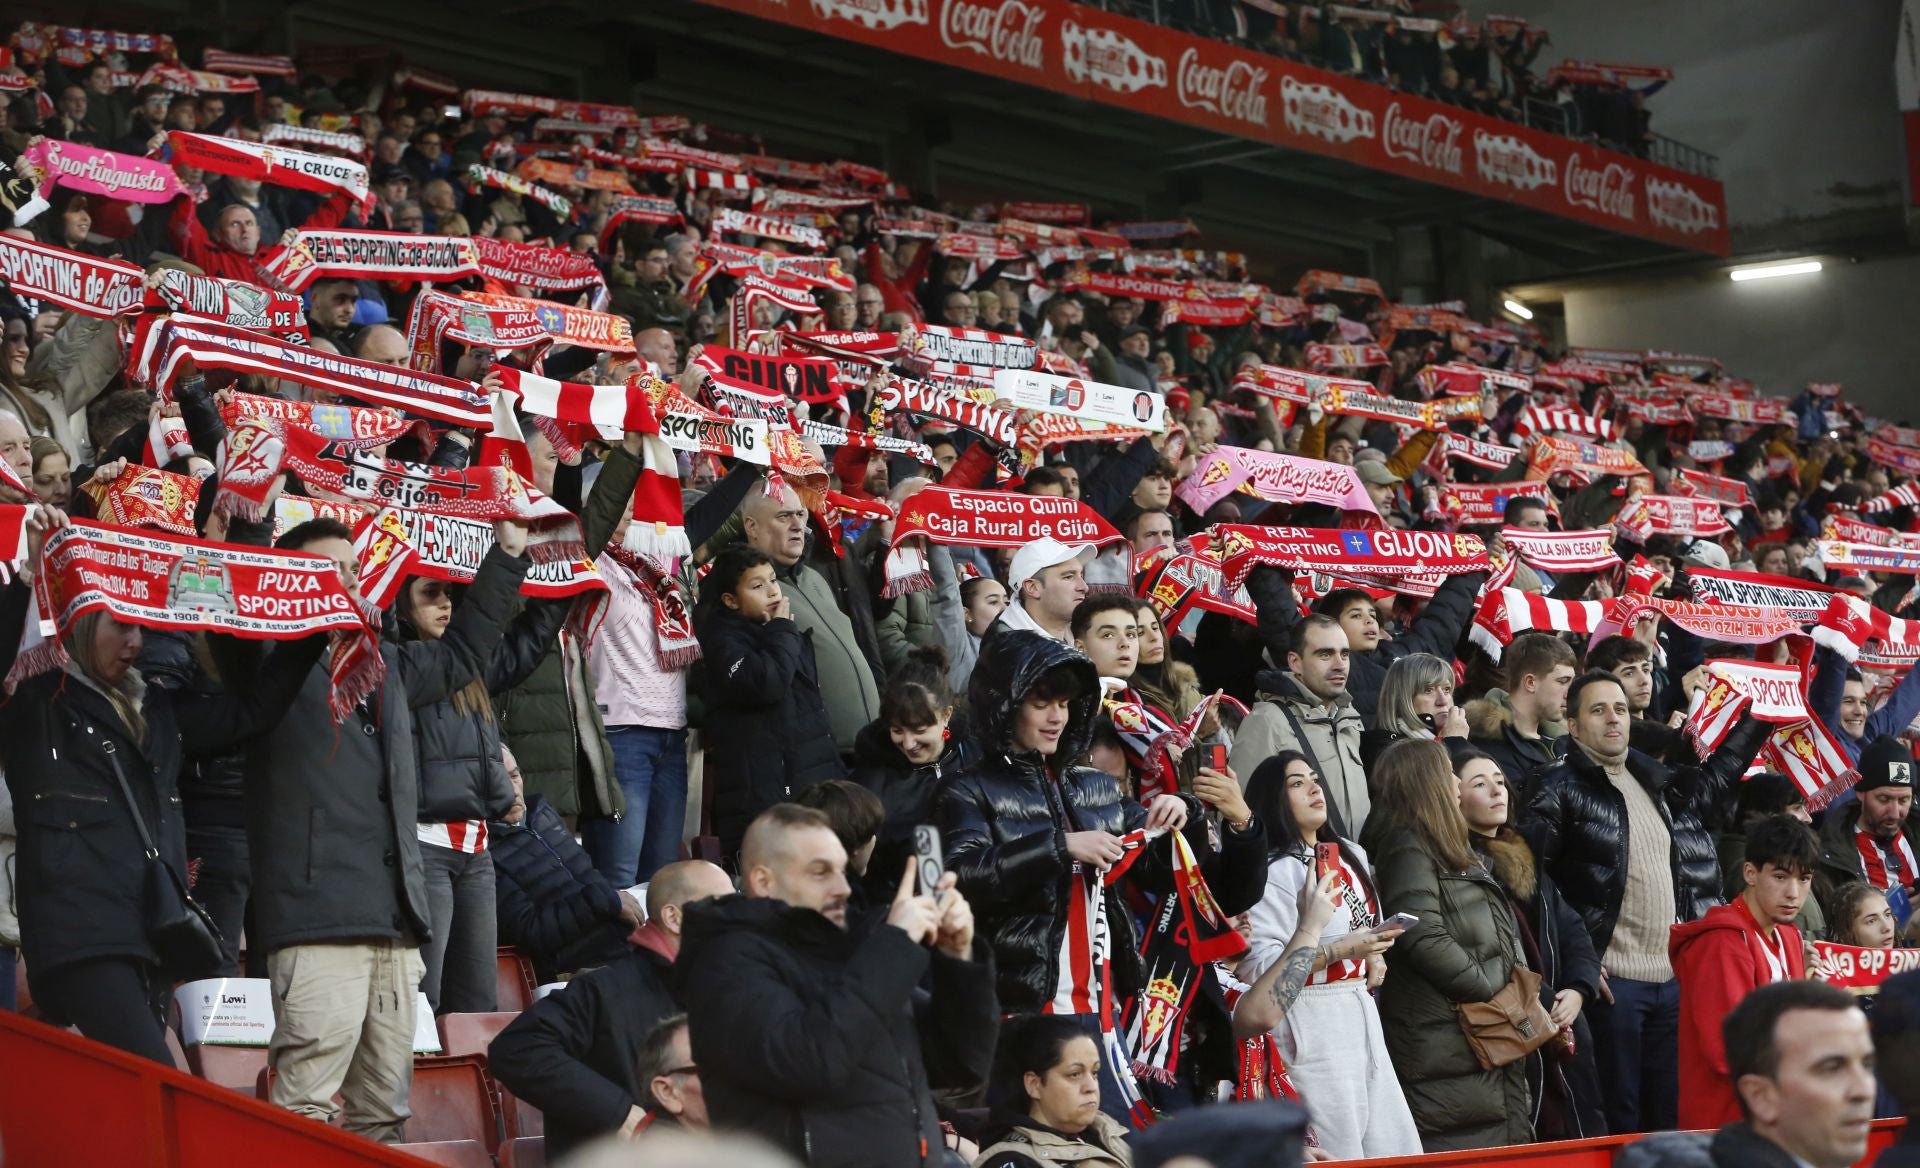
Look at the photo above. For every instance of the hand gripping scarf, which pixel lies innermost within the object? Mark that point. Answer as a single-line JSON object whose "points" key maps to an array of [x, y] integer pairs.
{"points": [[1378, 557], [1766, 691], [1849, 623], [89, 285], [279, 165], [194, 584], [144, 496], [1277, 478]]}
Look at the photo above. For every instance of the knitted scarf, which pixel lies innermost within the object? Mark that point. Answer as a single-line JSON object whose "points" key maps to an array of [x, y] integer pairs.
{"points": [[1188, 934], [667, 595]]}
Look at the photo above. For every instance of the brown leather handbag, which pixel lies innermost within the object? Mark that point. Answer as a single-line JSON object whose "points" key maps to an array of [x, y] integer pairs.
{"points": [[1510, 1025]]}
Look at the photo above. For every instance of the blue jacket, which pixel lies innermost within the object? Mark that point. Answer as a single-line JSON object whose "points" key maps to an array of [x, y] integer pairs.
{"points": [[1829, 683]]}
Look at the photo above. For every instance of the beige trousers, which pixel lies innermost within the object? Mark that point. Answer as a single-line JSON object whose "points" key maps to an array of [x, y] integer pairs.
{"points": [[343, 1020]]}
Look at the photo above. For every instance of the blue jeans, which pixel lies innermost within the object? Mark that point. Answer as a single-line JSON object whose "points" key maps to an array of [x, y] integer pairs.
{"points": [[651, 766], [1637, 1040]]}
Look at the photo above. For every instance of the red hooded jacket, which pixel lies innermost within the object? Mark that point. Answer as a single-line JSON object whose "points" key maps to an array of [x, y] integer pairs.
{"points": [[1718, 960]]}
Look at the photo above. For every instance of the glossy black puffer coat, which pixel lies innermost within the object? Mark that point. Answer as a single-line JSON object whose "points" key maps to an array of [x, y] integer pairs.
{"points": [[1004, 822], [1576, 823]]}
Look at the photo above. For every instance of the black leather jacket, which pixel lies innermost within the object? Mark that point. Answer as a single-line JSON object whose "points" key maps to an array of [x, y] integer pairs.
{"points": [[1577, 825], [1005, 819]]}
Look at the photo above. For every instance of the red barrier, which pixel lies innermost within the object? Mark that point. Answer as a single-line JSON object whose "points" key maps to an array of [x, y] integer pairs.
{"points": [[1165, 73], [66, 1102], [71, 1103]]}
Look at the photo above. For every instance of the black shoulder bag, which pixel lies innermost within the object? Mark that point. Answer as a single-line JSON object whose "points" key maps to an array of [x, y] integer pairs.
{"points": [[178, 928]]}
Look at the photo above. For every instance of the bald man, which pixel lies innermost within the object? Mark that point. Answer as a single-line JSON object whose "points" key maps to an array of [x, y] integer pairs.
{"points": [[775, 522], [656, 345], [805, 1026], [575, 1053], [382, 343]]}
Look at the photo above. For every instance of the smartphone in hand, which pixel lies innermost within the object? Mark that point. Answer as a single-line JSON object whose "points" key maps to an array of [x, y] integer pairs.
{"points": [[1217, 758], [929, 861], [1326, 858], [1402, 921]]}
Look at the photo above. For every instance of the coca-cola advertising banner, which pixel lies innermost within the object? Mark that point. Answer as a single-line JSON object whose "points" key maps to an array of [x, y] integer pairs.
{"points": [[1164, 73]]}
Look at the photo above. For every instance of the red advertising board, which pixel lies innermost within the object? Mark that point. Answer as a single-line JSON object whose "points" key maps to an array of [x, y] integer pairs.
{"points": [[1142, 67]]}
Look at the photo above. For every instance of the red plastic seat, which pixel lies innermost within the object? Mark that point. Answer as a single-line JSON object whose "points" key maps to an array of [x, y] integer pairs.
{"points": [[525, 1152], [514, 980], [452, 1100], [237, 1068], [452, 1153], [471, 1033]]}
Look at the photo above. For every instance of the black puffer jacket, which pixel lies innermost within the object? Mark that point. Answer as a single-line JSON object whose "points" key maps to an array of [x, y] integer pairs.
{"points": [[550, 900], [212, 786], [905, 790], [820, 1040], [1004, 823], [462, 775], [1577, 825], [766, 727], [80, 872]]}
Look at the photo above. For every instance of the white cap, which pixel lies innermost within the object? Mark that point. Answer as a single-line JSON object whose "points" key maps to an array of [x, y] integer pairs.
{"points": [[1706, 554], [1036, 557]]}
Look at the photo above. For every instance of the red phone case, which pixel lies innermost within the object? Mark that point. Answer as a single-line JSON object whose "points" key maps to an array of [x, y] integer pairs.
{"points": [[1217, 758], [1326, 858]]}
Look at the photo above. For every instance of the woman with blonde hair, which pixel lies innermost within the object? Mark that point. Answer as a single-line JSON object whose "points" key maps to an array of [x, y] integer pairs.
{"points": [[1463, 949], [1416, 701]]}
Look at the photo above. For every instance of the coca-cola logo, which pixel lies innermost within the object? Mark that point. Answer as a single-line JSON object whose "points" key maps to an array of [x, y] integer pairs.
{"points": [[1676, 207], [1503, 158], [1009, 31], [1433, 143], [1323, 112], [1608, 190], [1237, 91]]}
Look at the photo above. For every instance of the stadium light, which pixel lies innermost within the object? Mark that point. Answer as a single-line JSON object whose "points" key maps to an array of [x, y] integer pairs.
{"points": [[1770, 271], [1520, 310]]}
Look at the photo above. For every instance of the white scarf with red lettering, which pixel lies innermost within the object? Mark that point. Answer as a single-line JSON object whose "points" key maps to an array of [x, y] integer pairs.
{"points": [[1563, 551]]}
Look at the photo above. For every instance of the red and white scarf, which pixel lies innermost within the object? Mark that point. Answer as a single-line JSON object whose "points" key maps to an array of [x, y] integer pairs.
{"points": [[1475, 451], [1431, 415], [1380, 557], [1904, 495], [356, 427], [1563, 551], [915, 397], [231, 302], [999, 519], [528, 265], [951, 349], [666, 594], [1849, 623], [486, 176], [1474, 504], [1187, 934], [1583, 460], [158, 351], [1277, 478], [89, 285], [1552, 420], [167, 439], [1803, 600], [193, 584], [1345, 356], [370, 255], [658, 527], [280, 165], [1651, 515], [1807, 753], [1887, 868], [1506, 613], [1736, 689], [1861, 558], [1175, 582], [437, 317], [145, 496], [352, 145], [812, 380], [565, 323]]}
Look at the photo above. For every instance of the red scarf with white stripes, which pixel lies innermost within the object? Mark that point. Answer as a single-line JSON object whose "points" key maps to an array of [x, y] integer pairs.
{"points": [[1886, 866]]}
